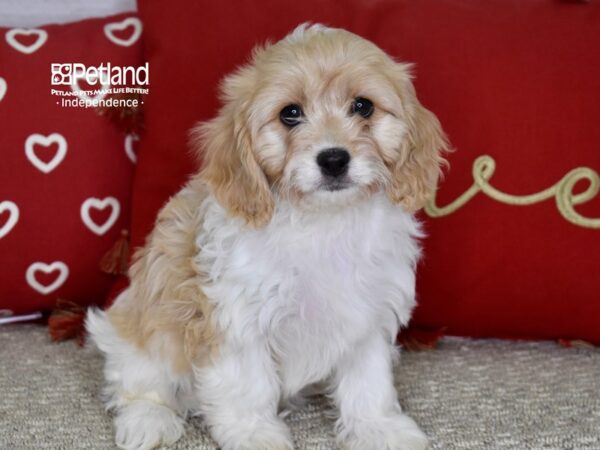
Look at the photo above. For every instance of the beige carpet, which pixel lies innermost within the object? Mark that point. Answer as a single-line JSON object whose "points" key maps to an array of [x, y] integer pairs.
{"points": [[473, 395]]}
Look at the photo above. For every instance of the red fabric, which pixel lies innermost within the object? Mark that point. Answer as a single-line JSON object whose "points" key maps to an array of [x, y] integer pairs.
{"points": [[50, 229], [517, 80]]}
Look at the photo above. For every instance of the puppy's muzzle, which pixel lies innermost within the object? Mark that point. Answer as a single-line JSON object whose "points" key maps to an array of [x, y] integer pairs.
{"points": [[333, 162]]}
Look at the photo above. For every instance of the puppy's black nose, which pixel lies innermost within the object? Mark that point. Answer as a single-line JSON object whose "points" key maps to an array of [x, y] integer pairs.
{"points": [[333, 161]]}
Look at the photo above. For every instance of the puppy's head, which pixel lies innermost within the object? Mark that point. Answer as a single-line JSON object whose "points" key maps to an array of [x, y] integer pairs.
{"points": [[324, 119]]}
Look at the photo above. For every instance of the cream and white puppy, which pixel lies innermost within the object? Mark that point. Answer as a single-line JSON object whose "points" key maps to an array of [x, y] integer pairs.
{"points": [[287, 261]]}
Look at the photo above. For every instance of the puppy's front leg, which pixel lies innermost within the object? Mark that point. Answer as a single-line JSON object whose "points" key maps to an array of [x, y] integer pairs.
{"points": [[239, 394], [370, 415]]}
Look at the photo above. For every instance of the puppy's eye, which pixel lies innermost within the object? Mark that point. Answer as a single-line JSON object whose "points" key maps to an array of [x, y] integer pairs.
{"points": [[291, 115], [362, 106]]}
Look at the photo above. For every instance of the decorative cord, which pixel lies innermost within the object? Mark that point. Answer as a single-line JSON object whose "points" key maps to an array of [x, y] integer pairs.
{"points": [[483, 169]]}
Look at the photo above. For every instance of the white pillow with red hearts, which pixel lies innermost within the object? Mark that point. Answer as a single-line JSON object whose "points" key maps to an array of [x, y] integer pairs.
{"points": [[65, 172]]}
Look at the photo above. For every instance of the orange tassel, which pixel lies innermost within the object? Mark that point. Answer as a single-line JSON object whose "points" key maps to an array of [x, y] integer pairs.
{"points": [[67, 322], [127, 119], [574, 343], [115, 261], [415, 340]]}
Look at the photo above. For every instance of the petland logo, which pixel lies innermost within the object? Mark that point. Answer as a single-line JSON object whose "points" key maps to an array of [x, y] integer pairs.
{"points": [[92, 84], [66, 74]]}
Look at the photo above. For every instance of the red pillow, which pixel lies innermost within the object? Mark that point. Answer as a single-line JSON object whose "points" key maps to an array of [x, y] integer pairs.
{"points": [[66, 171], [519, 82], [516, 80]]}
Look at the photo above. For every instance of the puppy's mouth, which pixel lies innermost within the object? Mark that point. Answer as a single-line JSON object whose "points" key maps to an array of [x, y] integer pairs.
{"points": [[333, 184]]}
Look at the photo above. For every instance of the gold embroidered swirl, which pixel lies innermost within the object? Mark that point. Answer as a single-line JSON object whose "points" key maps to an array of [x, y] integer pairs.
{"points": [[562, 191]]}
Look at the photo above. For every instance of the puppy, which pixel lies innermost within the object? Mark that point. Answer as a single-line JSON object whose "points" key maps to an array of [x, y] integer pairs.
{"points": [[287, 261]]}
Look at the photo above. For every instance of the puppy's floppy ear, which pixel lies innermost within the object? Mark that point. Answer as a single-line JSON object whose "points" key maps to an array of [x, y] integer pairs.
{"points": [[230, 166], [418, 167]]}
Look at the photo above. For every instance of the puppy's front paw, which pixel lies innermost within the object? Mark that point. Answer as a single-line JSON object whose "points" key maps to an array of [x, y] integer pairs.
{"points": [[398, 432], [144, 425], [261, 435]]}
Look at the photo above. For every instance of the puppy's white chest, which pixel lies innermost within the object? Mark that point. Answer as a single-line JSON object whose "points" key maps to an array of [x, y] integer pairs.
{"points": [[320, 312], [319, 295], [312, 287]]}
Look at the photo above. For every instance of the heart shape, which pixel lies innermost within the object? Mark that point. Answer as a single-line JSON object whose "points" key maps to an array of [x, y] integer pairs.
{"points": [[3, 88], [104, 84], [45, 141], [36, 267], [109, 31], [129, 140], [97, 203], [13, 217], [11, 38]]}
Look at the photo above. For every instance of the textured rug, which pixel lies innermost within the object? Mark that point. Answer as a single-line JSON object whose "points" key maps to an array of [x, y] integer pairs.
{"points": [[467, 394]]}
